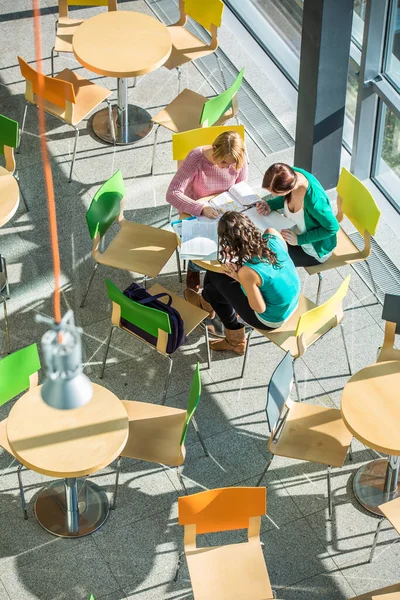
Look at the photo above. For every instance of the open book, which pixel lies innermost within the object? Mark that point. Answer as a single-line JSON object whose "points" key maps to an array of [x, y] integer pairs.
{"points": [[199, 238], [241, 198]]}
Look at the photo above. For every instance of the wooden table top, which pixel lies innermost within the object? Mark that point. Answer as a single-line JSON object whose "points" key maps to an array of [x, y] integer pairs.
{"points": [[9, 198], [370, 406], [68, 443], [122, 44]]}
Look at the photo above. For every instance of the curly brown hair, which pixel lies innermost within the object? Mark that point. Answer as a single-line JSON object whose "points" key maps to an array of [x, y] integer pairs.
{"points": [[240, 239]]}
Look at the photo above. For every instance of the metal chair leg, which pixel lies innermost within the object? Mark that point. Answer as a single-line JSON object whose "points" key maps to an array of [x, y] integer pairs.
{"points": [[170, 214], [207, 346], [114, 500], [350, 452], [89, 284], [21, 491], [221, 71], [371, 556], [154, 151], [18, 150], [74, 154], [110, 118], [178, 472], [185, 265], [20, 191], [246, 352], [167, 380], [345, 348], [179, 69], [319, 287], [52, 61], [296, 383], [4, 268], [178, 264], [178, 566], [106, 353], [199, 436], [263, 473], [329, 492], [8, 345]]}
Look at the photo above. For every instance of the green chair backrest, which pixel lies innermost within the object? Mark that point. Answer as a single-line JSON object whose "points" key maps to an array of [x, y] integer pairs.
{"points": [[194, 399], [15, 371], [215, 107], [147, 318], [8, 133], [106, 205], [358, 203]]}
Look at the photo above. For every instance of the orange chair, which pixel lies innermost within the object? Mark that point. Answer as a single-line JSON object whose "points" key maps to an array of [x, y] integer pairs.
{"points": [[66, 27], [68, 97], [233, 571]]}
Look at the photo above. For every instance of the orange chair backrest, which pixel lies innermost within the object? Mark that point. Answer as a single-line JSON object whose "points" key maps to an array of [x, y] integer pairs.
{"points": [[54, 90], [222, 509]]}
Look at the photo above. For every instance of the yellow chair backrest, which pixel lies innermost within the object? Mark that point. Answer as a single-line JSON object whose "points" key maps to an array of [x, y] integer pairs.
{"points": [[63, 5], [185, 142], [358, 203], [54, 90], [317, 317], [205, 12]]}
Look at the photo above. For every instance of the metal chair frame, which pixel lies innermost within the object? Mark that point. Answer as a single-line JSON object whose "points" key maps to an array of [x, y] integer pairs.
{"points": [[4, 296]]}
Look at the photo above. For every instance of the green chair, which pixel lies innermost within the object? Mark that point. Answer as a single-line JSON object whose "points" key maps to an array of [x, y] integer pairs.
{"points": [[154, 323], [18, 372], [138, 248], [9, 190], [189, 110], [157, 433]]}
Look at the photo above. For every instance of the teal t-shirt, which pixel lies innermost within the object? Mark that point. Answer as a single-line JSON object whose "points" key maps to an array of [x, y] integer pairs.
{"points": [[280, 284]]}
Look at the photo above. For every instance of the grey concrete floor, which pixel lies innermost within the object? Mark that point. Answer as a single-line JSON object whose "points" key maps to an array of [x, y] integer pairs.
{"points": [[134, 554]]}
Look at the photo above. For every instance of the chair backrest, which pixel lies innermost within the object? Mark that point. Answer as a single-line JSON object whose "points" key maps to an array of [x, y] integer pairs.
{"points": [[357, 203], [206, 12], [215, 107], [315, 319], [193, 401], [53, 90], [223, 509], [147, 318], [15, 371], [185, 142], [8, 133], [63, 5], [106, 205], [279, 389]]}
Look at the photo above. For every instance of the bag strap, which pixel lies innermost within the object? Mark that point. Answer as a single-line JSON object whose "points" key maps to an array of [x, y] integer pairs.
{"points": [[155, 297]]}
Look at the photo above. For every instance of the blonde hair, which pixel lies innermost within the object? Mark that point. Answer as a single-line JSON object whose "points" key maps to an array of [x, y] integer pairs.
{"points": [[229, 144]]}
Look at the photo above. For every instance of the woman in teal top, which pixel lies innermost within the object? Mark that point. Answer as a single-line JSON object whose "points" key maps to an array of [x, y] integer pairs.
{"points": [[304, 201], [260, 282]]}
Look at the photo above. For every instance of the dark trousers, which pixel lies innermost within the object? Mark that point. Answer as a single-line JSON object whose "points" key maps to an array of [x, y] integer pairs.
{"points": [[227, 299], [301, 258]]}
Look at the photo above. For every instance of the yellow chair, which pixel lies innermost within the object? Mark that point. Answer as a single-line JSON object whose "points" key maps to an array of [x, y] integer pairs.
{"points": [[391, 592], [307, 325], [355, 202], [232, 571], [66, 27], [391, 512], [69, 97], [186, 46], [391, 314]]}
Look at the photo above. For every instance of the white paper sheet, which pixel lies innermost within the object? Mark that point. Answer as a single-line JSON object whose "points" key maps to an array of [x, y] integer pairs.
{"points": [[199, 239], [274, 219], [244, 193]]}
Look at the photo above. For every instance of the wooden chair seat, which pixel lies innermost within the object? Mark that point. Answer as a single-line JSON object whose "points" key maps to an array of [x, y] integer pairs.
{"points": [[65, 30], [314, 433], [9, 195], [138, 248], [154, 433], [391, 511], [384, 593], [185, 47], [88, 95], [231, 572], [345, 253], [184, 112], [191, 315], [284, 336]]}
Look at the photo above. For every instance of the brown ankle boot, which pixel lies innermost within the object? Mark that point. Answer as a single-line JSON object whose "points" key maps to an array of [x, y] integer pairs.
{"points": [[198, 300], [235, 340], [193, 280]]}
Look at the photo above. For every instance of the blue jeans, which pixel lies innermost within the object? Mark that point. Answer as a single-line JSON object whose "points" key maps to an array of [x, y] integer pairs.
{"points": [[195, 268]]}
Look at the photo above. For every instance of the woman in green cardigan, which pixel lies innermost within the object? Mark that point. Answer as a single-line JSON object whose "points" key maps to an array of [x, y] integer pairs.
{"points": [[313, 238]]}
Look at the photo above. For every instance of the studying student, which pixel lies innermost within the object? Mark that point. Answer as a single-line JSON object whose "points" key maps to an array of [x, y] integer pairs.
{"points": [[260, 282], [206, 171], [305, 203]]}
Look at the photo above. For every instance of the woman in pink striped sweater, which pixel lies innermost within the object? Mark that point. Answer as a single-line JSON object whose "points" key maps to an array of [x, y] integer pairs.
{"points": [[206, 171]]}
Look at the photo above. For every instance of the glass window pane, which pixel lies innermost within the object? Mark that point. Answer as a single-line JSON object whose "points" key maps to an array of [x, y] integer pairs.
{"points": [[351, 102], [387, 161], [393, 50], [358, 21]]}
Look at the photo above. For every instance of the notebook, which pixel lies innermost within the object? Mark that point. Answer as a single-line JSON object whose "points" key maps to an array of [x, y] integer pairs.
{"points": [[199, 238]]}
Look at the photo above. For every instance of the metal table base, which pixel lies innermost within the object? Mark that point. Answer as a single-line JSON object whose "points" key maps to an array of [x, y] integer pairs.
{"points": [[72, 508], [131, 123], [376, 483]]}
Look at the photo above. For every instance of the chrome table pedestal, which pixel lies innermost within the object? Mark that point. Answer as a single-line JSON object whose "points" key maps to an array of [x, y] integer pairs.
{"points": [[72, 508], [377, 482], [131, 123]]}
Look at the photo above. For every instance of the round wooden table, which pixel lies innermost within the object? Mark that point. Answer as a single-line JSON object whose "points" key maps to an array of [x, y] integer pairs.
{"points": [[370, 408], [9, 199], [69, 444], [122, 44]]}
